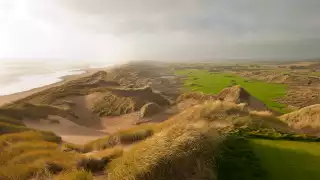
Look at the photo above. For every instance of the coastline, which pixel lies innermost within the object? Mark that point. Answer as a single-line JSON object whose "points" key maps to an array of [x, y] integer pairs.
{"points": [[5, 99]]}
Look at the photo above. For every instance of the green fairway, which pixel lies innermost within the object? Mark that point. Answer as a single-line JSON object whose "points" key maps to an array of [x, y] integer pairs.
{"points": [[288, 159], [207, 82]]}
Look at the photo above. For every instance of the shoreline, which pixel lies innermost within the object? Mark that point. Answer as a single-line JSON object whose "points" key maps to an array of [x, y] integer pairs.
{"points": [[5, 99]]}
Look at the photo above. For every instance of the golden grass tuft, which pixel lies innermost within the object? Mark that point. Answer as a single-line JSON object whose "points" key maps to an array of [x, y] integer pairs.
{"points": [[34, 111], [127, 136], [9, 120], [117, 101], [135, 134], [68, 147], [261, 113], [11, 128], [74, 175], [38, 162], [182, 151], [111, 104], [196, 96], [9, 139], [102, 143], [96, 161], [109, 153], [23, 147]]}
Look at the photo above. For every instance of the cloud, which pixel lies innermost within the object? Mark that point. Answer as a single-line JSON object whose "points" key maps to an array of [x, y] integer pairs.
{"points": [[166, 29]]}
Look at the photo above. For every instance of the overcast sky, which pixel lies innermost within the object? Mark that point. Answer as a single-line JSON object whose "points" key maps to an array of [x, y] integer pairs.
{"points": [[159, 29]]}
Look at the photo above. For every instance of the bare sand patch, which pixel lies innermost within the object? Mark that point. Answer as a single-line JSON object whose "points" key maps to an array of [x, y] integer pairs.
{"points": [[68, 130]]}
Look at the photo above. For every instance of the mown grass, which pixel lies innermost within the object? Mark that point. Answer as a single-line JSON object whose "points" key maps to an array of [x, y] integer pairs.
{"points": [[288, 159], [236, 160], [204, 81], [272, 134]]}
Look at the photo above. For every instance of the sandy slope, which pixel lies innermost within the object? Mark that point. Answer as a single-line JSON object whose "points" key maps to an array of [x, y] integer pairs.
{"points": [[68, 130]]}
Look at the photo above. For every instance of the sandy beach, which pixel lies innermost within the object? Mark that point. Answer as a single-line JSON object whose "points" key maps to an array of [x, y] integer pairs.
{"points": [[16, 96]]}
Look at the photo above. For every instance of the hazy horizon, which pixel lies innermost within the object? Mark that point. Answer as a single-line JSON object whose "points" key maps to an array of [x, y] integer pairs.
{"points": [[118, 31]]}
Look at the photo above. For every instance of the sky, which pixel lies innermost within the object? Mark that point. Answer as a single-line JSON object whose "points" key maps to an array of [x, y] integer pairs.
{"points": [[109, 30]]}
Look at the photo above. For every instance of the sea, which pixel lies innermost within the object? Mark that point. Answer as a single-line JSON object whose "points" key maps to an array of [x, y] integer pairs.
{"points": [[18, 76]]}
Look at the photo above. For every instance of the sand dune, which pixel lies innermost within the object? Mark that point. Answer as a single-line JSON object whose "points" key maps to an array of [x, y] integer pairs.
{"points": [[68, 130]]}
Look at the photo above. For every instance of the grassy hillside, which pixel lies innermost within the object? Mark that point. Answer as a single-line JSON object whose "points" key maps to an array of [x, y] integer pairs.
{"points": [[118, 101], [305, 119], [177, 153], [207, 82], [213, 140], [288, 159]]}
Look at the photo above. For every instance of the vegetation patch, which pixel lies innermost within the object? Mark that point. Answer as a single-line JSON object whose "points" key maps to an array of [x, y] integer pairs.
{"points": [[34, 111], [10, 120], [288, 159], [8, 139], [110, 153], [128, 136], [177, 153], [272, 134], [41, 162], [74, 175], [215, 82], [113, 105], [236, 160], [10, 128]]}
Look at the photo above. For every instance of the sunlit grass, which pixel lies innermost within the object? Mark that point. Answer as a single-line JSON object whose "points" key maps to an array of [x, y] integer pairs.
{"points": [[204, 81], [289, 159]]}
